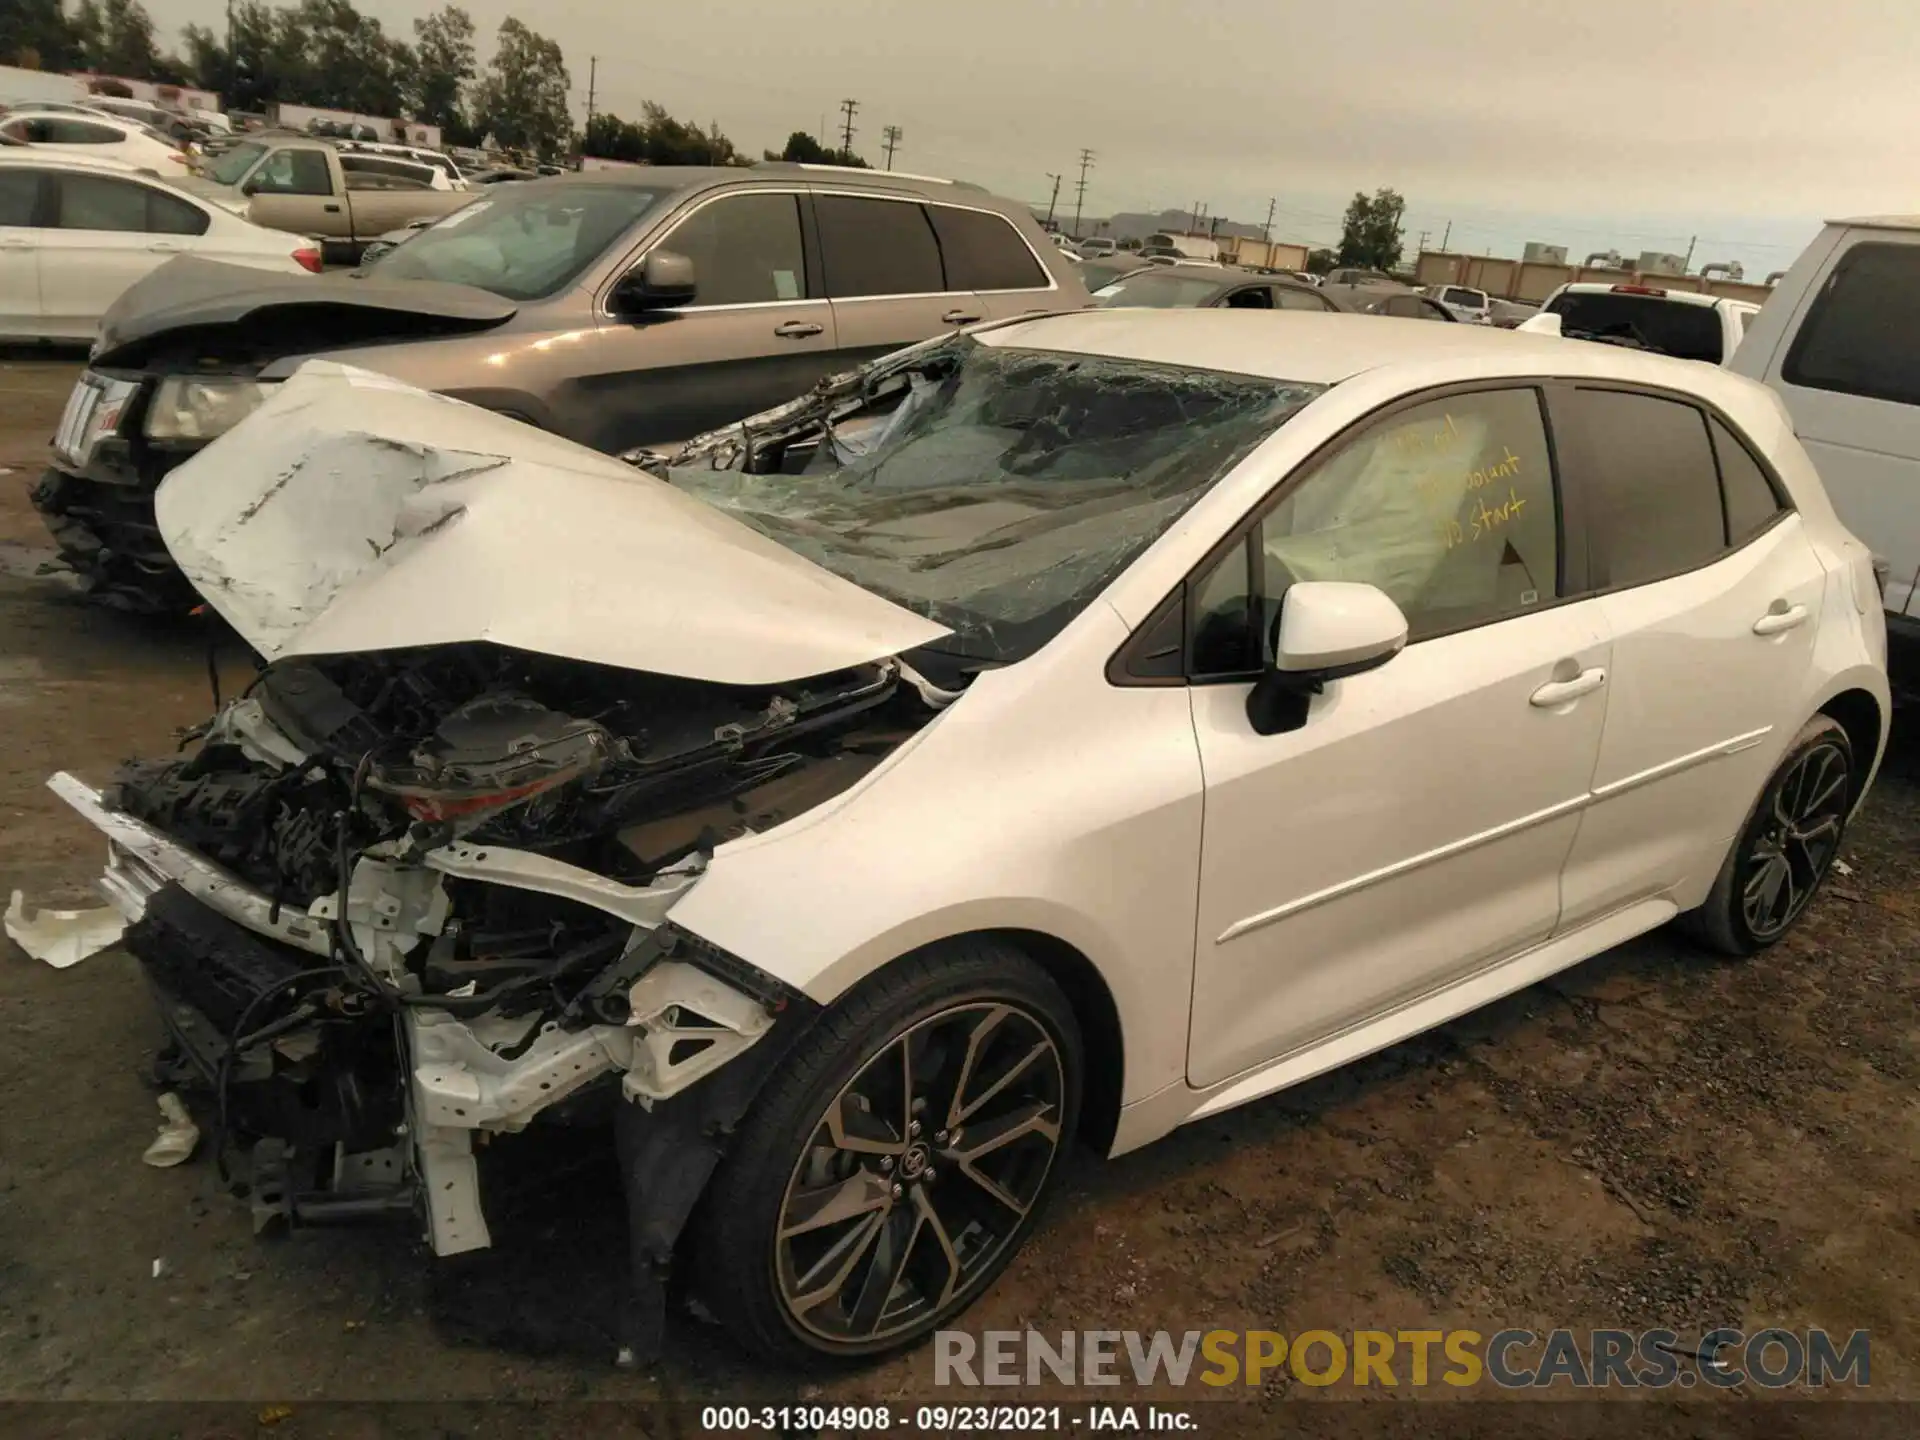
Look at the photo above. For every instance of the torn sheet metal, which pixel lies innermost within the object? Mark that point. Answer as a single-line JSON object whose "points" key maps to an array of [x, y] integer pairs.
{"points": [[63, 937], [351, 513]]}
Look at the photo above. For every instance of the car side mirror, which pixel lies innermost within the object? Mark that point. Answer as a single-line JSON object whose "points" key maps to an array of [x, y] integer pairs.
{"points": [[251, 186], [659, 282], [1326, 630], [1546, 323]]}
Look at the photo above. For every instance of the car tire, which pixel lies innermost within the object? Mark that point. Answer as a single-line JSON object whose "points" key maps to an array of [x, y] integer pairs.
{"points": [[929, 1207], [1786, 847]]}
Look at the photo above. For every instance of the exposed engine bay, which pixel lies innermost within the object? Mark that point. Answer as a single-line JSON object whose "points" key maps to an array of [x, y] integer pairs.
{"points": [[392, 904]]}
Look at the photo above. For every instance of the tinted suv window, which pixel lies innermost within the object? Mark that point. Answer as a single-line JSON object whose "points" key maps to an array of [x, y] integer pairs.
{"points": [[1449, 507], [19, 194], [1862, 336], [877, 247], [984, 252], [745, 250], [1750, 500], [1655, 502]]}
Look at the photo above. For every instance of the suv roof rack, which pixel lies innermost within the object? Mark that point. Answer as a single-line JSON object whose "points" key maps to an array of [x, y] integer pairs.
{"points": [[865, 172]]}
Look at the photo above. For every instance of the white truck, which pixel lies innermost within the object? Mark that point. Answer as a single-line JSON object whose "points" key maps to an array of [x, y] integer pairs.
{"points": [[1839, 342], [1681, 323]]}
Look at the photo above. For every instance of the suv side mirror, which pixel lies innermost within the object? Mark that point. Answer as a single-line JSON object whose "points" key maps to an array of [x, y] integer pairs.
{"points": [[1326, 629], [1546, 322], [661, 281]]}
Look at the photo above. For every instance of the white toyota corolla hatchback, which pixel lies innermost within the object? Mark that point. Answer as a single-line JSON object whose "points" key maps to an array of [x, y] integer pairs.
{"points": [[1082, 725]]}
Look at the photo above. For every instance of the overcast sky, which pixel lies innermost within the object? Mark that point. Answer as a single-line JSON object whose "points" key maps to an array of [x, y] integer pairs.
{"points": [[1588, 123]]}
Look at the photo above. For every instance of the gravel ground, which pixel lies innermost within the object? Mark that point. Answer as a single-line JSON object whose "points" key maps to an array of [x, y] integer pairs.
{"points": [[1655, 1138]]}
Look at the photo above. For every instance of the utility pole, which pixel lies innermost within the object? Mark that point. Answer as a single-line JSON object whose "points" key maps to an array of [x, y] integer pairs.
{"points": [[1054, 199], [1687, 264], [847, 108], [1420, 245], [1448, 236], [1266, 230], [593, 76], [893, 135], [1080, 190]]}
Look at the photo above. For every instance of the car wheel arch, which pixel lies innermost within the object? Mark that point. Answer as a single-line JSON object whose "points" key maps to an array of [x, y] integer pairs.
{"points": [[1858, 713]]}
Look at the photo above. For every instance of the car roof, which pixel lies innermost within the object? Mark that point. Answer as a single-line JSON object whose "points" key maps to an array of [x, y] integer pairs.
{"points": [[52, 159], [1600, 287], [703, 177], [1881, 222], [1324, 349]]}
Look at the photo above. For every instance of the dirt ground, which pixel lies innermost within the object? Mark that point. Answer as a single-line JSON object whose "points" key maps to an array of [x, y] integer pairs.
{"points": [[1655, 1138]]}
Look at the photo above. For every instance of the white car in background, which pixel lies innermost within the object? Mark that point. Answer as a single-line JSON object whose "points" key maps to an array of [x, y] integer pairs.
{"points": [[76, 231], [102, 136], [1682, 323], [1031, 765], [1463, 302]]}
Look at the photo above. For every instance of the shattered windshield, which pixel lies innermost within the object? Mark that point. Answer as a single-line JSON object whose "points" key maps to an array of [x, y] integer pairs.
{"points": [[521, 244], [995, 490]]}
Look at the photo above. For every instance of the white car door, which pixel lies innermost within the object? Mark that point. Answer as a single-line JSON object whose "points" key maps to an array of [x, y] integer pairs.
{"points": [[1412, 830], [1714, 606], [21, 240], [109, 231]]}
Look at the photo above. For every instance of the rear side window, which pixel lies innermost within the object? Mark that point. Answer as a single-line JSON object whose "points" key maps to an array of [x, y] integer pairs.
{"points": [[80, 132], [1862, 336], [1299, 300], [19, 194], [877, 247], [1654, 507], [1642, 322], [294, 172], [983, 252], [1751, 503], [745, 250], [170, 215]]}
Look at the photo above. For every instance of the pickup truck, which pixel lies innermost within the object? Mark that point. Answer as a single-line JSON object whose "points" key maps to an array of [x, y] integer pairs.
{"points": [[308, 187], [1649, 317]]}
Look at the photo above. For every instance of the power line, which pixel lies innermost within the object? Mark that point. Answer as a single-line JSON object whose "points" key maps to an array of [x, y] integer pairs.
{"points": [[893, 136], [1080, 190], [847, 108]]}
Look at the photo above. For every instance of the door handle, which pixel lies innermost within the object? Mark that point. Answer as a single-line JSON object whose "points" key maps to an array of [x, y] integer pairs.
{"points": [[1559, 692], [164, 247], [331, 209], [796, 329], [1780, 617], [15, 245], [958, 317]]}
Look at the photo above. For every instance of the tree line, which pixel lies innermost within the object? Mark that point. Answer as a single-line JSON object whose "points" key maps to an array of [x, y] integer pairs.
{"points": [[326, 53]]}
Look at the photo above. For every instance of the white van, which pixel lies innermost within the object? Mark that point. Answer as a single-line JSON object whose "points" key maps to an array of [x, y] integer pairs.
{"points": [[1839, 341]]}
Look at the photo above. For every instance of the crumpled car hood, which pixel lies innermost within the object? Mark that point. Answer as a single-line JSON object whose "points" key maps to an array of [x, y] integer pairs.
{"points": [[354, 513], [191, 293]]}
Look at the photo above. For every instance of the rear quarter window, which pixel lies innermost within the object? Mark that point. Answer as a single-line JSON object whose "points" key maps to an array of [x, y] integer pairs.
{"points": [[1862, 334], [982, 251]]}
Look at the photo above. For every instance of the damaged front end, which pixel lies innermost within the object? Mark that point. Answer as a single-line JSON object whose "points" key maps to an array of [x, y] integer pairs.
{"points": [[394, 906]]}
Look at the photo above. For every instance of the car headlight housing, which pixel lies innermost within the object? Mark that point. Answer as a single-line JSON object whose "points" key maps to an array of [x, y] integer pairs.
{"points": [[190, 407]]}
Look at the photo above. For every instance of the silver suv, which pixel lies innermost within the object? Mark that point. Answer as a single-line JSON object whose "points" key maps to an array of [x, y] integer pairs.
{"points": [[619, 308]]}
